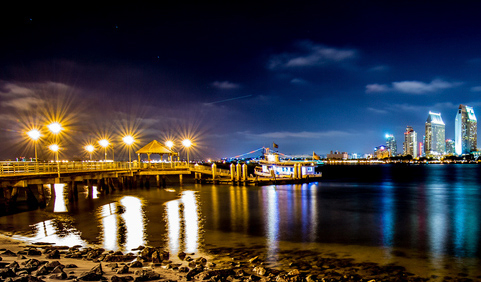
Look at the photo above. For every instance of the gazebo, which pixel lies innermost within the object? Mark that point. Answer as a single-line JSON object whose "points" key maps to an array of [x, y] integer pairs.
{"points": [[155, 147]]}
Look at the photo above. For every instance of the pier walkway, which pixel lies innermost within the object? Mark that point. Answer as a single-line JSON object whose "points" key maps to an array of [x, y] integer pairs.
{"points": [[34, 180]]}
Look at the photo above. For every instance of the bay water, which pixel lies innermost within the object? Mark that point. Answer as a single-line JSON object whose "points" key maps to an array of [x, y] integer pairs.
{"points": [[424, 217]]}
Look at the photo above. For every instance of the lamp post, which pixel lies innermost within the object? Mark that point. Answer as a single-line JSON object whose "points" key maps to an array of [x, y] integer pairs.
{"points": [[170, 144], [90, 149], [187, 143], [34, 134], [55, 148], [129, 140], [104, 143], [55, 128]]}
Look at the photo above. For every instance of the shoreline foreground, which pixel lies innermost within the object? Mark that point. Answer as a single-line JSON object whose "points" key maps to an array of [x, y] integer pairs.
{"points": [[22, 261]]}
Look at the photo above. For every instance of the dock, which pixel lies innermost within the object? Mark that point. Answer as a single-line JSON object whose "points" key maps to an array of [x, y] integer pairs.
{"points": [[37, 180]]}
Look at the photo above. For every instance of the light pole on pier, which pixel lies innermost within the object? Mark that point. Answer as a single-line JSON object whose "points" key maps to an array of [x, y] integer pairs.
{"points": [[170, 145], [34, 134], [129, 140], [104, 143], [55, 148], [187, 143], [90, 148]]}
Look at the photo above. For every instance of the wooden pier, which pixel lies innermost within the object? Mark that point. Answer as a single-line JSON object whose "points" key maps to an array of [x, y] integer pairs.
{"points": [[36, 179]]}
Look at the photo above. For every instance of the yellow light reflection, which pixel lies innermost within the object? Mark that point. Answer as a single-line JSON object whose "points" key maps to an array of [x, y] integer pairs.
{"points": [[59, 204], [134, 222], [183, 227], [95, 192], [173, 226], [109, 222], [47, 231], [191, 221]]}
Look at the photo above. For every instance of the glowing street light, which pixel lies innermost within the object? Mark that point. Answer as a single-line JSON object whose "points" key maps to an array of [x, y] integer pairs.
{"points": [[90, 149], [187, 143], [129, 140], [55, 148], [55, 127], [170, 144], [34, 134], [104, 143]]}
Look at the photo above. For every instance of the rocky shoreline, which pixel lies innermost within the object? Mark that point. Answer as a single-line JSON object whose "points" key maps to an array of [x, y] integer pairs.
{"points": [[44, 262]]}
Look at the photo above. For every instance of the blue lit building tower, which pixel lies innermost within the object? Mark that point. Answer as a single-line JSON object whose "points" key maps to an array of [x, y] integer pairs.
{"points": [[435, 141], [391, 144], [466, 131], [410, 146]]}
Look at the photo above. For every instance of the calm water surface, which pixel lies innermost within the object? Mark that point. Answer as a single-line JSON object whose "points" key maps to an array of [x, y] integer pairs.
{"points": [[432, 213]]}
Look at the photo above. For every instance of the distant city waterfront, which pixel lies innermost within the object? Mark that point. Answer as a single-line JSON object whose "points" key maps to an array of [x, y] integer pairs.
{"points": [[426, 217]]}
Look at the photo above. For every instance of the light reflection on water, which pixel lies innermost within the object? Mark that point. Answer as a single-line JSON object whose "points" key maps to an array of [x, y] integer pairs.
{"points": [[122, 224], [53, 231], [183, 223], [109, 222], [271, 205]]}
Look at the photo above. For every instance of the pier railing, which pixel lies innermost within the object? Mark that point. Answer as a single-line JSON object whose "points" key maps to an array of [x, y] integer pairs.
{"points": [[8, 168], [14, 168]]}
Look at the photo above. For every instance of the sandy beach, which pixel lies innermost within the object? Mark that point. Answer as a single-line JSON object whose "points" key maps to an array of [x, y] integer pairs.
{"points": [[44, 262]]}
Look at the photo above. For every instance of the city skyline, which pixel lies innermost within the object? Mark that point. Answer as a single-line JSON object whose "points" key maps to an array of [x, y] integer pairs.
{"points": [[311, 76]]}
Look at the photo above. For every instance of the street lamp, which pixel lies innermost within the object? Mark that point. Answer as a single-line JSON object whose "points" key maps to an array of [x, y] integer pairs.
{"points": [[55, 127], [129, 140], [34, 134], [104, 143], [90, 149], [187, 143], [55, 148], [170, 144]]}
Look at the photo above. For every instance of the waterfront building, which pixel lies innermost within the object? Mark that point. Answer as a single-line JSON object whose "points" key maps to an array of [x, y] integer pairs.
{"points": [[435, 141], [466, 131], [382, 152], [410, 142], [450, 147], [391, 144], [338, 156]]}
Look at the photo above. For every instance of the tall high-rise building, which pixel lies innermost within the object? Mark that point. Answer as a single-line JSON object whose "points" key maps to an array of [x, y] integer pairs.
{"points": [[410, 145], [391, 144], [466, 131], [434, 143], [450, 147]]}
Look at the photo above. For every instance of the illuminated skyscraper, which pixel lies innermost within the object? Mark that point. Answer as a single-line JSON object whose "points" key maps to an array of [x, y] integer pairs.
{"points": [[391, 144], [435, 143], [450, 147], [466, 131], [410, 142]]}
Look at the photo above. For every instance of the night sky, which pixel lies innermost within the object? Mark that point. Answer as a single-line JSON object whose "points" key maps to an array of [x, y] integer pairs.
{"points": [[237, 76]]}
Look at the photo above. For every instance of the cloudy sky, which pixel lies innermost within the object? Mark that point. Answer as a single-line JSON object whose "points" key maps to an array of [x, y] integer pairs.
{"points": [[236, 76]]}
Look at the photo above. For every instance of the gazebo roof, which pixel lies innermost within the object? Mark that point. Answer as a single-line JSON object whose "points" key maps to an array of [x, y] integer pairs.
{"points": [[154, 147]]}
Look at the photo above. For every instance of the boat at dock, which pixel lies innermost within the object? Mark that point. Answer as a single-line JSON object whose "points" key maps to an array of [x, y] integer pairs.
{"points": [[273, 167]]}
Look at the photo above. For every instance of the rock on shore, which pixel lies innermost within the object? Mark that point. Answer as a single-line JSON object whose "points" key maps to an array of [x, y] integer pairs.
{"points": [[38, 263]]}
